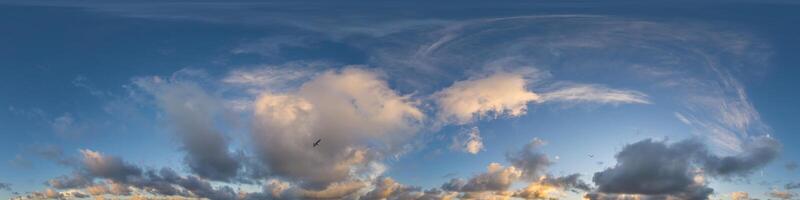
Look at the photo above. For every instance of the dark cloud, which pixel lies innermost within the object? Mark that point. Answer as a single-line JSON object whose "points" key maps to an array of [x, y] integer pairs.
{"points": [[5, 186], [95, 165], [756, 153], [657, 169], [454, 184], [532, 162], [652, 168], [191, 112], [108, 167], [529, 165], [77, 180], [792, 186], [572, 181], [121, 175]]}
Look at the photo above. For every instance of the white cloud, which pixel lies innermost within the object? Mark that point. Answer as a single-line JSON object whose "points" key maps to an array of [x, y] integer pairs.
{"points": [[469, 141], [740, 196], [358, 118], [507, 94], [498, 94], [272, 78], [588, 93]]}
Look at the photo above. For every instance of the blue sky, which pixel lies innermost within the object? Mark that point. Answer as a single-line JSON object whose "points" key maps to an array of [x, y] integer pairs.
{"points": [[411, 100]]}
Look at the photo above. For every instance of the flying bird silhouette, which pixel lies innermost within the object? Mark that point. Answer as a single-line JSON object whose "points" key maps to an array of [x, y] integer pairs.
{"points": [[317, 142]]}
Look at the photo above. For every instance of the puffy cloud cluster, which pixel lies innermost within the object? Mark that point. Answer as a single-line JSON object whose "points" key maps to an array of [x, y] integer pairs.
{"points": [[778, 194], [497, 178], [51, 194], [653, 169], [527, 165], [551, 188], [354, 113], [386, 188], [118, 177], [95, 165]]}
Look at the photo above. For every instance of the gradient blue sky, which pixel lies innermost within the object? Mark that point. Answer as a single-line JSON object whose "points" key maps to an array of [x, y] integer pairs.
{"points": [[106, 76]]}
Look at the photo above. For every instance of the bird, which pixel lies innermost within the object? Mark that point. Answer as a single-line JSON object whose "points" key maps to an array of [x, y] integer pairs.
{"points": [[317, 142], [591, 156]]}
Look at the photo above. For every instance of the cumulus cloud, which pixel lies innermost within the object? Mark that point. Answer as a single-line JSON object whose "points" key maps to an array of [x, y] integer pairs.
{"points": [[501, 93], [469, 141], [117, 177], [355, 136], [388, 188], [497, 178], [51, 194], [109, 188], [489, 185], [77, 180], [740, 196], [338, 190], [656, 169], [528, 165], [97, 165], [191, 111], [530, 160], [781, 194], [277, 189], [358, 118], [547, 187]]}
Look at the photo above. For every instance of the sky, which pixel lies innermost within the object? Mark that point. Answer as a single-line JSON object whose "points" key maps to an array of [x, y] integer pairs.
{"points": [[409, 100]]}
